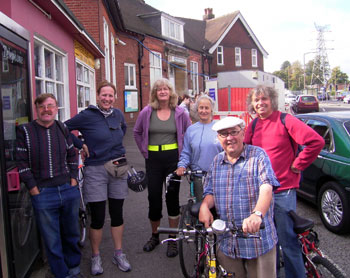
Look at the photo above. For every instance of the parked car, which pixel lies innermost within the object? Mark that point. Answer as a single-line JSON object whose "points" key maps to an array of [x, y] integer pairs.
{"points": [[326, 182], [346, 99], [342, 95], [289, 99], [304, 104]]}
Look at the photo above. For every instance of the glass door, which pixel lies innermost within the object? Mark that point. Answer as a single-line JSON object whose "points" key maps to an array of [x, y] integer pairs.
{"points": [[17, 218]]}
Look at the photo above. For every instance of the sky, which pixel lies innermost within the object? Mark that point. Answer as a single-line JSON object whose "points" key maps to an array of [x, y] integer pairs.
{"points": [[285, 29]]}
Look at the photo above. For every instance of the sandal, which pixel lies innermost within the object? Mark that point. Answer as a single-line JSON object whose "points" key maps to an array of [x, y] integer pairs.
{"points": [[172, 249], [151, 244]]}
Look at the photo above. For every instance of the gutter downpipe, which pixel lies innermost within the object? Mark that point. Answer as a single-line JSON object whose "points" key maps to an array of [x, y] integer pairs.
{"points": [[139, 59]]}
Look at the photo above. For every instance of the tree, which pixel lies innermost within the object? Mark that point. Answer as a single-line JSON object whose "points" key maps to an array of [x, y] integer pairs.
{"points": [[296, 77], [338, 77]]}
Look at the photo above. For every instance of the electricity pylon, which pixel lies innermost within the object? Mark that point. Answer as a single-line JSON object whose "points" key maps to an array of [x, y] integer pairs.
{"points": [[321, 69]]}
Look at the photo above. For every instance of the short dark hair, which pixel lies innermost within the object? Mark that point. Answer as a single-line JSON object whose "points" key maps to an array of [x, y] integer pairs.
{"points": [[106, 83], [42, 97]]}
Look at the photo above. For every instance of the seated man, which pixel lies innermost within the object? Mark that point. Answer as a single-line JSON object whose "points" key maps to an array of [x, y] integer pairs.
{"points": [[240, 185]]}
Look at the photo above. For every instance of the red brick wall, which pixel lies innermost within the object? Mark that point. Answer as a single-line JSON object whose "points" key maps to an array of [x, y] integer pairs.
{"points": [[237, 37]]}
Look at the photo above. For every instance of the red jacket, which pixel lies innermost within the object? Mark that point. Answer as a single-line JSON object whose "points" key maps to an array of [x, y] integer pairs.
{"points": [[271, 135]]}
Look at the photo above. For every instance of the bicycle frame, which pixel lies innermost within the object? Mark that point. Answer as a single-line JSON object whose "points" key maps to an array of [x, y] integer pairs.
{"points": [[309, 250], [211, 268]]}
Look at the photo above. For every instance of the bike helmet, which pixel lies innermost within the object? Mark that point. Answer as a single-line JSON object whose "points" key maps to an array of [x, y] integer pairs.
{"points": [[137, 180]]}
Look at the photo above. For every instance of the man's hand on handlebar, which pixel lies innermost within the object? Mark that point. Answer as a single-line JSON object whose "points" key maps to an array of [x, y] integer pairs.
{"points": [[205, 216], [180, 171], [251, 224]]}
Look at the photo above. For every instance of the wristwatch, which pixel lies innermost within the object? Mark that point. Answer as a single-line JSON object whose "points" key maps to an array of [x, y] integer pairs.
{"points": [[258, 213]]}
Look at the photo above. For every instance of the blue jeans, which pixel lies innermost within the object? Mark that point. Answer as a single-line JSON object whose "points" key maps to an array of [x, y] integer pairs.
{"points": [[287, 238], [57, 215]]}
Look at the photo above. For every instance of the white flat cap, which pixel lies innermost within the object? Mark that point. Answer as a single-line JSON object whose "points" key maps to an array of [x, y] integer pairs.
{"points": [[227, 122]]}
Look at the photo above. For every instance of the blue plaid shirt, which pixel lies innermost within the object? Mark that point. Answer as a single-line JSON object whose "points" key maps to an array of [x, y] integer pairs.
{"points": [[235, 188]]}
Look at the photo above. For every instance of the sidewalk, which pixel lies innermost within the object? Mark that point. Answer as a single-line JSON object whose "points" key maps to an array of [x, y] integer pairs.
{"points": [[137, 232]]}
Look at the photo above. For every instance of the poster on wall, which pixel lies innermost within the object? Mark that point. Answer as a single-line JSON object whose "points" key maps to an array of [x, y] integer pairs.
{"points": [[131, 102]]}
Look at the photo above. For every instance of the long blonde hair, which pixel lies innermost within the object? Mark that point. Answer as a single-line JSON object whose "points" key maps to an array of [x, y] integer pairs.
{"points": [[153, 100]]}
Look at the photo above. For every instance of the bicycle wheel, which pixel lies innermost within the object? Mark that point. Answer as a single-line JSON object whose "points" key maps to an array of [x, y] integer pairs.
{"points": [[22, 221], [189, 248], [326, 268]]}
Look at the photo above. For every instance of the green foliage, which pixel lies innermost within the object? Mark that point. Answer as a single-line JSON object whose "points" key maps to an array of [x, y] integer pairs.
{"points": [[293, 75]]}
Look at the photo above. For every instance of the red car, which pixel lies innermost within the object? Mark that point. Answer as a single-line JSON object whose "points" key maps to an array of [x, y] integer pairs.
{"points": [[304, 104]]}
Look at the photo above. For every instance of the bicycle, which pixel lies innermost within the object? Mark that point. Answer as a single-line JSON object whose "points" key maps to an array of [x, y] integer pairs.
{"points": [[204, 263], [188, 249], [82, 208], [317, 265]]}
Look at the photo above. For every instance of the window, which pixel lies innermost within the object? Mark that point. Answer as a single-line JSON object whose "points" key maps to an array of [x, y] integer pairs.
{"points": [[51, 70], [86, 94], [155, 66], [238, 60], [106, 41], [172, 29], [194, 76], [114, 76], [220, 57], [130, 76], [325, 131], [254, 58]]}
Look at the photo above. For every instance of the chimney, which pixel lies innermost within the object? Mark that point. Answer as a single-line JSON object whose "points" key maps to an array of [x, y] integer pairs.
{"points": [[208, 14]]}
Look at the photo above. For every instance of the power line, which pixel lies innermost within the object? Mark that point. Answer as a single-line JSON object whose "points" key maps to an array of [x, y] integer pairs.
{"points": [[169, 63]]}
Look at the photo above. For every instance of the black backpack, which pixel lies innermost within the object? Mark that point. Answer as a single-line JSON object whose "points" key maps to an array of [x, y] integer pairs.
{"points": [[283, 121]]}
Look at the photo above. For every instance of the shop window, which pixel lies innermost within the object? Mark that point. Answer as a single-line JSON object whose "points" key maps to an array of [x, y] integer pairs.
{"points": [[86, 94], [50, 71]]}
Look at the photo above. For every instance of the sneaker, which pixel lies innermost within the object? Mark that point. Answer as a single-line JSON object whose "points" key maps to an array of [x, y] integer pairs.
{"points": [[96, 265], [172, 249], [151, 244], [122, 262]]}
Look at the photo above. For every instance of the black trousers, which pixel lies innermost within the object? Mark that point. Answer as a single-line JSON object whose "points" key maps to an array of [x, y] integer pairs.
{"points": [[158, 166]]}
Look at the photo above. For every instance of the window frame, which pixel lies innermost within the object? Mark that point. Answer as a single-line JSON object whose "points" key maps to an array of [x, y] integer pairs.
{"points": [[172, 29], [329, 132], [107, 50], [129, 66], [254, 58], [194, 76], [153, 68], [220, 53], [59, 88], [238, 57], [114, 75]]}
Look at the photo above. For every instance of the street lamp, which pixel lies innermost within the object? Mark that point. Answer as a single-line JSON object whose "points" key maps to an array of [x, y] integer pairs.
{"points": [[304, 67]]}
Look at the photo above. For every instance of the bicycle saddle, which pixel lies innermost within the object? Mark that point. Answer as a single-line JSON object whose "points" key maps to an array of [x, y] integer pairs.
{"points": [[300, 224]]}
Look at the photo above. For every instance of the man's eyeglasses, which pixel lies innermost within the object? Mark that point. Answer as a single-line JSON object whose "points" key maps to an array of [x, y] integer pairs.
{"points": [[48, 107], [232, 133]]}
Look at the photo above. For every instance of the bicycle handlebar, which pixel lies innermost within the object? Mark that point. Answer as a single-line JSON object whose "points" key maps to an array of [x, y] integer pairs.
{"points": [[236, 231]]}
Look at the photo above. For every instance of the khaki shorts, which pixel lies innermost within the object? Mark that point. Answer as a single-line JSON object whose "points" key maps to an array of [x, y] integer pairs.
{"points": [[99, 185], [261, 267]]}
